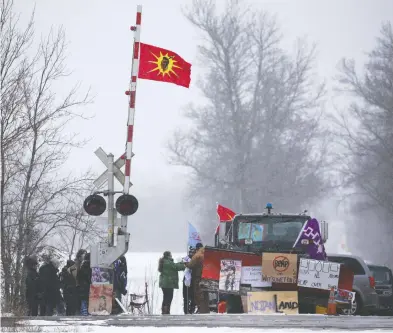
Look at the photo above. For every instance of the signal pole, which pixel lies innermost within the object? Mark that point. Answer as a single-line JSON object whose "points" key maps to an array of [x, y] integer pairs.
{"points": [[111, 200]]}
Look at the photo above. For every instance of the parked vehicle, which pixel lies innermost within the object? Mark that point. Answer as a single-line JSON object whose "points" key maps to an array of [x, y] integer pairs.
{"points": [[366, 298], [383, 286]]}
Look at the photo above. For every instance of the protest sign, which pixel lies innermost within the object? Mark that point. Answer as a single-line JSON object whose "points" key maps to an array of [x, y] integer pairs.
{"points": [[318, 274], [252, 275], [230, 276], [265, 302], [279, 267]]}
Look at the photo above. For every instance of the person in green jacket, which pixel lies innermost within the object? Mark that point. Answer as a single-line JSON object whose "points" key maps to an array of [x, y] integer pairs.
{"points": [[169, 279]]}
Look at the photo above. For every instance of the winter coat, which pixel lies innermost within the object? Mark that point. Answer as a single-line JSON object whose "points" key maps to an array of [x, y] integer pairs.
{"points": [[169, 277], [84, 280], [120, 276], [67, 284], [32, 286], [50, 284], [196, 264]]}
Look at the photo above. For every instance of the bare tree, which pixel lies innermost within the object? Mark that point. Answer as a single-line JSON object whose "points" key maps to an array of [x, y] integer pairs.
{"points": [[256, 135], [81, 230], [36, 194], [365, 133]]}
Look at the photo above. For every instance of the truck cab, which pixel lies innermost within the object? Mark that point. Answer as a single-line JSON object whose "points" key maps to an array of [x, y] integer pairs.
{"points": [[265, 232]]}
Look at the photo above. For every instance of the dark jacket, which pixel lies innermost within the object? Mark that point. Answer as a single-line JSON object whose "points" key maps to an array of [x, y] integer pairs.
{"points": [[32, 286], [169, 277], [67, 281], [120, 275], [49, 283], [84, 280]]}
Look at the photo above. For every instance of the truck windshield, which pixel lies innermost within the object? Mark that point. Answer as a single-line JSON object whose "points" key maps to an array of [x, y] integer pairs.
{"points": [[260, 229], [382, 275]]}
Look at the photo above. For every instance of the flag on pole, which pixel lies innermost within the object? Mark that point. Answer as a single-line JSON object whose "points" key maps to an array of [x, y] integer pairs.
{"points": [[193, 236], [159, 64], [310, 236], [225, 214]]}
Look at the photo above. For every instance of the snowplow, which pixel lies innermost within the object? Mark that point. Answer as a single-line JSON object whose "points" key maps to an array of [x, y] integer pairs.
{"points": [[250, 237]]}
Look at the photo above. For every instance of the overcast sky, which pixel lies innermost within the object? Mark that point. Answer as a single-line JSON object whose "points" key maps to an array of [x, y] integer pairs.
{"points": [[100, 53]]}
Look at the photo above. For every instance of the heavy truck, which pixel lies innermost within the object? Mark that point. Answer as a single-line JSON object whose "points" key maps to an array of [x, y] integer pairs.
{"points": [[270, 232]]}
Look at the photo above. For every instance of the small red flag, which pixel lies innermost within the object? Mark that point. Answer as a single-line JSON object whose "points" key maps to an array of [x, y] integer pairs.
{"points": [[159, 64], [225, 214]]}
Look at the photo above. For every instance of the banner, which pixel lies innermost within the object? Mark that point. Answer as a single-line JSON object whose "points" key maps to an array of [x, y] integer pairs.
{"points": [[193, 236], [279, 267], [267, 302], [318, 274], [230, 275]]}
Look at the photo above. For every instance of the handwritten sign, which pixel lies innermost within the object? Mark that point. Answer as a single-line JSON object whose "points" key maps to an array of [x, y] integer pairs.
{"points": [[318, 274], [279, 267], [252, 275], [266, 302], [230, 275]]}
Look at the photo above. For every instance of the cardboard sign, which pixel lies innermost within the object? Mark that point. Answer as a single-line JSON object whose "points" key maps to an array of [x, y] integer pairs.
{"points": [[252, 275], [279, 267], [318, 274], [100, 299], [266, 302], [230, 276]]}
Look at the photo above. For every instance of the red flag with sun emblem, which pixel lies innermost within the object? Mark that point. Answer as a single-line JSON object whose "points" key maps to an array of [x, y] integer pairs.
{"points": [[163, 65]]}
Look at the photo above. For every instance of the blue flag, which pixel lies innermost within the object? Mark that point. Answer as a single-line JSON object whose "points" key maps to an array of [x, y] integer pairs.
{"points": [[193, 236]]}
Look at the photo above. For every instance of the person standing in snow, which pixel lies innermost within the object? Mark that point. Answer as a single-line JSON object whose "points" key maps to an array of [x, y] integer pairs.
{"points": [[73, 271], [119, 282], [83, 284], [68, 285], [49, 284], [196, 265], [32, 286], [169, 279], [188, 292]]}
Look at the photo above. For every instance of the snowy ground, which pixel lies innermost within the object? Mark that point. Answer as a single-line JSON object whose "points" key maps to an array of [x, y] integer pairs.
{"points": [[188, 330]]}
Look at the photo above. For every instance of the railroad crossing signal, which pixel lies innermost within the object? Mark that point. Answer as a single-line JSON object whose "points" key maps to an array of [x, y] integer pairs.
{"points": [[126, 205], [101, 180], [95, 204]]}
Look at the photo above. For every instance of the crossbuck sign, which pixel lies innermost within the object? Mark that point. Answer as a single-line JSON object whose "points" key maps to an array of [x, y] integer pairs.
{"points": [[119, 163]]}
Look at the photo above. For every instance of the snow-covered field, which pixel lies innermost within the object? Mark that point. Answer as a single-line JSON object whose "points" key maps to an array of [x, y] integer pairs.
{"points": [[142, 266]]}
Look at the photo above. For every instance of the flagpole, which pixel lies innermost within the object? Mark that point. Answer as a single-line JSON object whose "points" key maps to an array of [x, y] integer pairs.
{"points": [[131, 105]]}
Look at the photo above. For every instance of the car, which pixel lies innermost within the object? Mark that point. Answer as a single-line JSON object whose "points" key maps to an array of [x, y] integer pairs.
{"points": [[366, 298], [383, 286]]}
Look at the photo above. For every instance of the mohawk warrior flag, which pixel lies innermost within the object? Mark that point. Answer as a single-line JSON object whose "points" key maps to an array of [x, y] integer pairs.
{"points": [[225, 214], [158, 64], [310, 235]]}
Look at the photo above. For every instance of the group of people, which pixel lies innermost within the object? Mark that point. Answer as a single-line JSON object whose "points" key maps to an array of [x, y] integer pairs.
{"points": [[195, 300], [65, 292]]}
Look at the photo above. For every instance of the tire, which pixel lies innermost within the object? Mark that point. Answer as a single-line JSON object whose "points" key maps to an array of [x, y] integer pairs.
{"points": [[356, 308]]}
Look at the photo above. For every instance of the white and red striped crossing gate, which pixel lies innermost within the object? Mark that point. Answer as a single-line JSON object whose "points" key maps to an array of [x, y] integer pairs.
{"points": [[126, 204]]}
